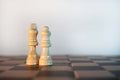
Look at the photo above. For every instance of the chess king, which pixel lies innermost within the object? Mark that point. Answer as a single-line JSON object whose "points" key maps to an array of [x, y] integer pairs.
{"points": [[32, 58], [45, 58]]}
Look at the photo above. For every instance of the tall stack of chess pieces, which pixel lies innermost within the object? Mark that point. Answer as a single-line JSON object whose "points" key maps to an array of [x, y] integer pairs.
{"points": [[45, 58]]}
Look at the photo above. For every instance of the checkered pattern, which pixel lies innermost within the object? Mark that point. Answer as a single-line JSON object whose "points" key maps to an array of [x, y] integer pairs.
{"points": [[64, 68]]}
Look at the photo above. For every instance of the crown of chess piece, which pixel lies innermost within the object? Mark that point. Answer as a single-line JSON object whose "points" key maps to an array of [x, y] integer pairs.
{"points": [[45, 58], [32, 58]]}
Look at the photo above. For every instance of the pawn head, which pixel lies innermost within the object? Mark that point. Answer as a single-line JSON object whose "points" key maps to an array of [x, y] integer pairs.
{"points": [[45, 28], [33, 26]]}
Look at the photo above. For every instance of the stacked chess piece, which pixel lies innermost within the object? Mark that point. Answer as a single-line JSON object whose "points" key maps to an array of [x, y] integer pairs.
{"points": [[45, 58]]}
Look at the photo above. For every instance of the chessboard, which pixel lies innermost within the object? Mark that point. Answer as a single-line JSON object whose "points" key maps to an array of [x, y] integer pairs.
{"points": [[63, 68]]}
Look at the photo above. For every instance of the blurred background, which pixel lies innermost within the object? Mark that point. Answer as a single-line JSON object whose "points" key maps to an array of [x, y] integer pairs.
{"points": [[78, 27]]}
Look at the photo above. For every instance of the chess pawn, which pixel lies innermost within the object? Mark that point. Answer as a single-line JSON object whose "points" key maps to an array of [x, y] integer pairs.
{"points": [[32, 58], [45, 58]]}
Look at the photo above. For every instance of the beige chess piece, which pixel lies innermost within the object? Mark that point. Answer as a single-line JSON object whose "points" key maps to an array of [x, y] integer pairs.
{"points": [[32, 58], [45, 58]]}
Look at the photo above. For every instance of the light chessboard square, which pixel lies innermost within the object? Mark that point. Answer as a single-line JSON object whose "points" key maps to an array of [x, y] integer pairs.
{"points": [[84, 64], [56, 68], [79, 59]]}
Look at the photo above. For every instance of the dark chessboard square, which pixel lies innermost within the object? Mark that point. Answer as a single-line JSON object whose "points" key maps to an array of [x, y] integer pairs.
{"points": [[60, 61], [61, 64], [4, 59], [81, 61], [55, 74], [116, 59], [64, 56], [1, 61], [97, 57], [75, 56], [5, 68], [106, 59], [1, 71], [109, 64], [117, 73], [54, 78], [98, 78], [18, 74], [25, 68], [8, 64], [12, 78], [88, 68], [18, 58], [94, 75], [13, 62], [59, 57]]}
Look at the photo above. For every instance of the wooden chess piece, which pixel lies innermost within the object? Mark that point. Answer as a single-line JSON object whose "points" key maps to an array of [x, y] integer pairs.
{"points": [[45, 58], [32, 58]]}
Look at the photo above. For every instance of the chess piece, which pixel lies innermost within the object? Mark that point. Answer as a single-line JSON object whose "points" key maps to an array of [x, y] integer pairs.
{"points": [[45, 58], [32, 58]]}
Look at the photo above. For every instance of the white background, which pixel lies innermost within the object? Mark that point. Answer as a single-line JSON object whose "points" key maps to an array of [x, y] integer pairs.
{"points": [[78, 27]]}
